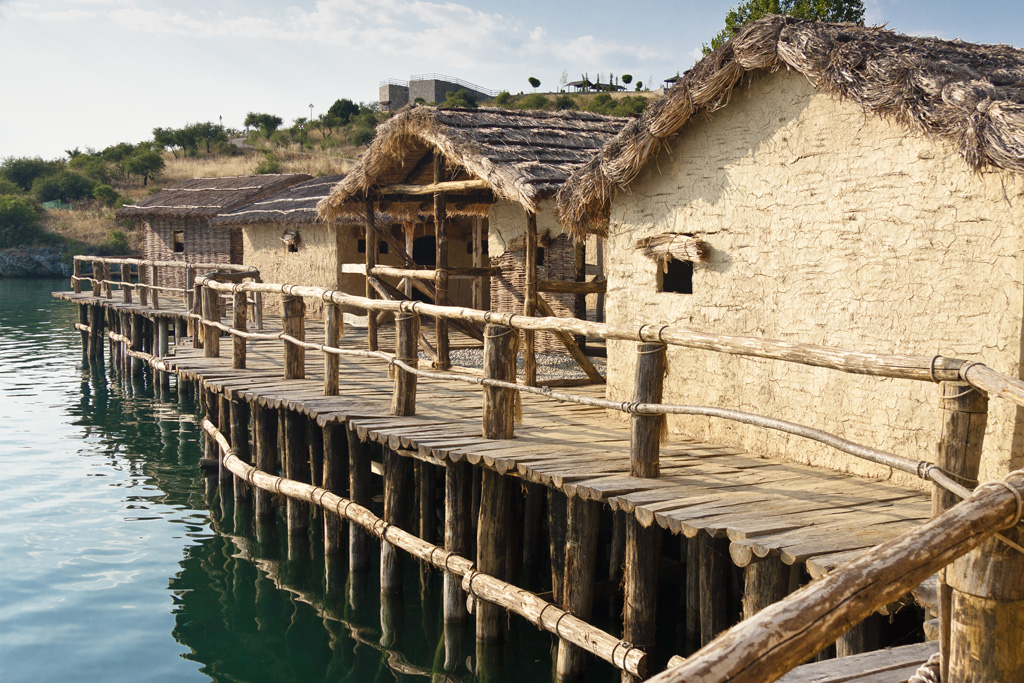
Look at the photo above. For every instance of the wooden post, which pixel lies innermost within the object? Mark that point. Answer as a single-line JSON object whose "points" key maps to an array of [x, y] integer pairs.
{"points": [[296, 467], [964, 417], [533, 533], [332, 337], [407, 331], [96, 316], [335, 471], [492, 528], [138, 327], [410, 237], [444, 360], [863, 637], [578, 586], [143, 289], [359, 492], [646, 429], [458, 505], [765, 582], [397, 470], [293, 323], [500, 364], [97, 277], [264, 423], [76, 276], [478, 262], [161, 349], [190, 299], [239, 415], [238, 322], [154, 281], [643, 548], [557, 523], [125, 321], [371, 263], [425, 476], [108, 285], [198, 331], [715, 586], [530, 301], [126, 283], [692, 625], [599, 258], [211, 314], [224, 477]]}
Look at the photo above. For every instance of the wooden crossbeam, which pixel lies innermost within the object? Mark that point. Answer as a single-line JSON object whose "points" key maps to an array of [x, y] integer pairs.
{"points": [[570, 344]]}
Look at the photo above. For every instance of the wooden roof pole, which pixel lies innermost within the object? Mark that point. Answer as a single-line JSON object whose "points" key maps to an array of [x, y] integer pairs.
{"points": [[371, 262], [530, 300], [441, 266]]}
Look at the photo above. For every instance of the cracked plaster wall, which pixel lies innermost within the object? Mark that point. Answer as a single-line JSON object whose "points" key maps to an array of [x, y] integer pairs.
{"points": [[828, 226]]}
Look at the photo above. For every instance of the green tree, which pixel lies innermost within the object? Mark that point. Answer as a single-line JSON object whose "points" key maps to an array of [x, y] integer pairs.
{"points": [[503, 99], [146, 163], [91, 165], [269, 164], [564, 102], [326, 123], [343, 110], [23, 171], [812, 10], [460, 98], [65, 186], [534, 82], [361, 136], [106, 194], [627, 78], [267, 123], [534, 101], [19, 221], [8, 186], [207, 132]]}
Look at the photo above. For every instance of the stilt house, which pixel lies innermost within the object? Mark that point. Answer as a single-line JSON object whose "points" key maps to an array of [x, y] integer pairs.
{"points": [[175, 221], [828, 184], [490, 170]]}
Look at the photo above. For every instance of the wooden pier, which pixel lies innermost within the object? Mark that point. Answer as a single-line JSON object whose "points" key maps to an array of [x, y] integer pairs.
{"points": [[516, 492]]}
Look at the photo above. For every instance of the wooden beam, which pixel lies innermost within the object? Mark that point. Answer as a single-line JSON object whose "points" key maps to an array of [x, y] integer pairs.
{"points": [[436, 186], [371, 262], [530, 301], [571, 346], [565, 287], [444, 360]]}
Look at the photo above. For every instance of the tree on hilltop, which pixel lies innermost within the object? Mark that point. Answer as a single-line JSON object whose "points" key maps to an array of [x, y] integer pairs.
{"points": [[810, 10]]}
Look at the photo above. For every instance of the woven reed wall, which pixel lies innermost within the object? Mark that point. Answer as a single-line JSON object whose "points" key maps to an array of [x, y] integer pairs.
{"points": [[203, 244]]}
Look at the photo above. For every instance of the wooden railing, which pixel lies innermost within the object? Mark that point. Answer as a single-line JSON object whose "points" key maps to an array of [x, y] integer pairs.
{"points": [[810, 618]]}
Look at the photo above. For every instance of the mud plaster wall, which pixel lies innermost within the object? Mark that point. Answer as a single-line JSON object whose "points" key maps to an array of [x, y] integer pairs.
{"points": [[315, 262], [829, 227], [506, 246]]}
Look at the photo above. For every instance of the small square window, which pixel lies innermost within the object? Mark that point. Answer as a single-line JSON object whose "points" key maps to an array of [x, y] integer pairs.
{"points": [[293, 248], [540, 256], [361, 246], [178, 241], [382, 248], [676, 276]]}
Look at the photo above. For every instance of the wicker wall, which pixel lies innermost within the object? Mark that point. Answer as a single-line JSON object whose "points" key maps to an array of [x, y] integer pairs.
{"points": [[203, 244]]}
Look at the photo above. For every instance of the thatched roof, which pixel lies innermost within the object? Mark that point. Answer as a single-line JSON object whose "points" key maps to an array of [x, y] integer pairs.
{"points": [[295, 205], [970, 95], [524, 156], [204, 198]]}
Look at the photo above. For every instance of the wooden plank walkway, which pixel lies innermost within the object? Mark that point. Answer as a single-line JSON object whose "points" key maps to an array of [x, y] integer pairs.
{"points": [[764, 507], [894, 665]]}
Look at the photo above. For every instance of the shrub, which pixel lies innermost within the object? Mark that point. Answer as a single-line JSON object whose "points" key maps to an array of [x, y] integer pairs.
{"points": [[503, 99], [563, 102], [106, 194], [117, 242], [24, 171], [270, 164], [90, 165], [280, 138], [65, 186], [535, 101], [460, 98], [8, 186], [361, 136], [19, 221]]}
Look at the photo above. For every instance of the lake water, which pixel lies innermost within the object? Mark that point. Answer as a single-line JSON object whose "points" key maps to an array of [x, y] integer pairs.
{"points": [[114, 567]]}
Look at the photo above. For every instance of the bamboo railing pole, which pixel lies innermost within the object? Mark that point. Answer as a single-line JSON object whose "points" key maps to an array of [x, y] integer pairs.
{"points": [[530, 301], [788, 633], [407, 331], [964, 418], [76, 275], [293, 324], [126, 283], [264, 426], [154, 273], [211, 313], [499, 363], [332, 337], [444, 360], [371, 261], [238, 314]]}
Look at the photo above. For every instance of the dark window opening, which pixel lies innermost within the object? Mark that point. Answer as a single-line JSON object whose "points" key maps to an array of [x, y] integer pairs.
{"points": [[424, 250], [540, 256], [382, 248], [361, 246], [178, 241], [677, 277], [292, 247], [483, 247]]}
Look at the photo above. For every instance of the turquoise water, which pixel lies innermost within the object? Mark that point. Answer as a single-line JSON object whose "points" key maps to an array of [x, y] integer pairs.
{"points": [[115, 565]]}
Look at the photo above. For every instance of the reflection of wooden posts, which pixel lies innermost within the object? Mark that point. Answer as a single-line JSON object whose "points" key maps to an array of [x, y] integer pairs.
{"points": [[397, 470], [83, 320], [361, 493], [296, 467], [161, 348], [238, 321], [154, 273], [642, 544], [76, 276], [224, 477], [371, 263], [458, 494], [293, 324], [332, 337], [499, 364], [578, 584], [491, 537], [211, 314], [407, 331], [190, 299], [264, 425], [138, 339], [126, 283], [444, 360], [96, 322], [239, 414], [478, 262], [530, 301], [964, 416]]}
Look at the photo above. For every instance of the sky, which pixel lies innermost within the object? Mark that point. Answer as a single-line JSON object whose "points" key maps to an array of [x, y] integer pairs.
{"points": [[91, 73]]}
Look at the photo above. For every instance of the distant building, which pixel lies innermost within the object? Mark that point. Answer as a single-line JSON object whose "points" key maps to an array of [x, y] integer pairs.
{"points": [[432, 88]]}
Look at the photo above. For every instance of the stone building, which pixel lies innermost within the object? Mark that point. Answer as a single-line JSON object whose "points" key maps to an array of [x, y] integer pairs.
{"points": [[827, 184], [430, 88]]}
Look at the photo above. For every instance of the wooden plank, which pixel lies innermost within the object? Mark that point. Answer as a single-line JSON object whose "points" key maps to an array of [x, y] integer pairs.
{"points": [[881, 665]]}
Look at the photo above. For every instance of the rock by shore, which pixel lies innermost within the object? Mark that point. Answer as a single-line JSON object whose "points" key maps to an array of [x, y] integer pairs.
{"points": [[33, 262]]}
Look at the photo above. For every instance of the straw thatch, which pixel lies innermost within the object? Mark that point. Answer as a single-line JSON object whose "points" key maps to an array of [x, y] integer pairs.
{"points": [[524, 156], [970, 95], [295, 205], [204, 198]]}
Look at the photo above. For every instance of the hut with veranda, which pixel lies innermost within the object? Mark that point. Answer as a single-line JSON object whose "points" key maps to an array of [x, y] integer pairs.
{"points": [[175, 220], [489, 169], [830, 184]]}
